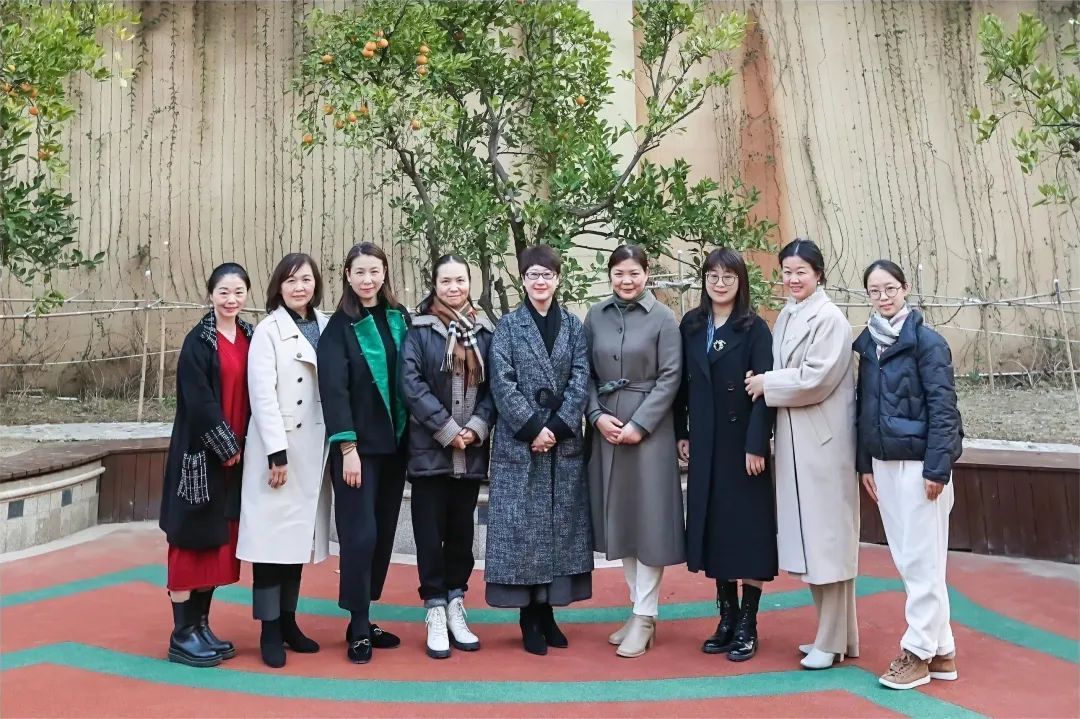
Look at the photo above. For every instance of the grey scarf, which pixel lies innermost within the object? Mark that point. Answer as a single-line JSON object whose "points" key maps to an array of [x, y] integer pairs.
{"points": [[884, 331]]}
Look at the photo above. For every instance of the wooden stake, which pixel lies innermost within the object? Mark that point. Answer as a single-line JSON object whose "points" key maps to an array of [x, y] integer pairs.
{"points": [[1068, 343], [145, 351], [161, 361], [984, 324]]}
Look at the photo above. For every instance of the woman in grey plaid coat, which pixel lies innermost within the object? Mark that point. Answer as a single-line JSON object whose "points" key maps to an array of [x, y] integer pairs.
{"points": [[539, 541]]}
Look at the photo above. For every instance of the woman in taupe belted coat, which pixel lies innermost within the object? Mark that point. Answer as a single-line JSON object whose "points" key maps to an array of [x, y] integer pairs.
{"points": [[634, 488]]}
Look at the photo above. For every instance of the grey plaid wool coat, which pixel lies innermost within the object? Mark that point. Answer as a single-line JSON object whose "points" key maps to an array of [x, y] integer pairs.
{"points": [[538, 512]]}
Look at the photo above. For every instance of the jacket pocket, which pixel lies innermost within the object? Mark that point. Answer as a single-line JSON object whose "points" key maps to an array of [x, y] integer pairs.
{"points": [[820, 424], [902, 427], [194, 487]]}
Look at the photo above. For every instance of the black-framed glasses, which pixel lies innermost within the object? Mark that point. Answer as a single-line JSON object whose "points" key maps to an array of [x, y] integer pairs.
{"points": [[534, 276], [890, 292], [716, 279]]}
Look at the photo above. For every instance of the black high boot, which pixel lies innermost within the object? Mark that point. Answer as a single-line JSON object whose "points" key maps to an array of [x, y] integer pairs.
{"points": [[186, 644], [745, 644], [201, 599], [552, 634], [727, 601], [271, 644], [532, 637]]}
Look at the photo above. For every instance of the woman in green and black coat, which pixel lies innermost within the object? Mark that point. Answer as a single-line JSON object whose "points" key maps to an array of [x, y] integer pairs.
{"points": [[366, 421]]}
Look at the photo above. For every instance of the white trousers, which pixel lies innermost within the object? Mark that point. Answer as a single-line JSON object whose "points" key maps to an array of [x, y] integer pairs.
{"points": [[644, 583], [918, 533]]}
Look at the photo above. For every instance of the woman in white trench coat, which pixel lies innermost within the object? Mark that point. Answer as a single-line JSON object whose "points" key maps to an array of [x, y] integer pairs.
{"points": [[812, 385], [285, 503]]}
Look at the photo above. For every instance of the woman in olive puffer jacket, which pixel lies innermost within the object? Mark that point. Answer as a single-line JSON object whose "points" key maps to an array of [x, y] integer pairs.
{"points": [[909, 436]]}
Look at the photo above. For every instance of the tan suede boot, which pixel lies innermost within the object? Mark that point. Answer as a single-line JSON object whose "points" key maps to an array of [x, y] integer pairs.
{"points": [[639, 638], [619, 634]]}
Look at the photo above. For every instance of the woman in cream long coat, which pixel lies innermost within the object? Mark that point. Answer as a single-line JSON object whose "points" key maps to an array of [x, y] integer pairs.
{"points": [[812, 385], [285, 502]]}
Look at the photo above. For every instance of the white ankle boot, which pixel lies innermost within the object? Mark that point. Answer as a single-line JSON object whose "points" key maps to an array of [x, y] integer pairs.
{"points": [[817, 659], [438, 643], [460, 635], [806, 648]]}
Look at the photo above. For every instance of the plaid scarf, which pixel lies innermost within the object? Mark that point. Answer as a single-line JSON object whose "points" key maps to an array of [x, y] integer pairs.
{"points": [[462, 349]]}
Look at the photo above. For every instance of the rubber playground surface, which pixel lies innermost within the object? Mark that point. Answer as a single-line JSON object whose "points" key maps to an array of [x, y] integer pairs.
{"points": [[84, 630]]}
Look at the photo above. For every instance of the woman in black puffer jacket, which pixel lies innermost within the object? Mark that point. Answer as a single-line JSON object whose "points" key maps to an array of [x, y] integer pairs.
{"points": [[909, 436]]}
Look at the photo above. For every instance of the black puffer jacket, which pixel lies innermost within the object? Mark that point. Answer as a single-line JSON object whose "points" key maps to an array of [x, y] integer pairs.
{"points": [[428, 393], [907, 402]]}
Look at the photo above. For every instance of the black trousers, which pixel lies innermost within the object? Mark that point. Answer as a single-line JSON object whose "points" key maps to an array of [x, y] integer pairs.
{"points": [[366, 519], [442, 517], [276, 589]]}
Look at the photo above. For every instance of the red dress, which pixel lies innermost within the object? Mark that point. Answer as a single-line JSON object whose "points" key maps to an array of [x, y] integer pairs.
{"points": [[199, 568]]}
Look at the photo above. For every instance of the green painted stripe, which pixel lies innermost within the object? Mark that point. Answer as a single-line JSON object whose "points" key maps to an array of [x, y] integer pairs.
{"points": [[852, 680], [964, 610]]}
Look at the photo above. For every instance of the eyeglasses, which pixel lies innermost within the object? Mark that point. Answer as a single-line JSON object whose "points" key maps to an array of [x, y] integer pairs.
{"points": [[875, 294], [726, 280], [534, 276]]}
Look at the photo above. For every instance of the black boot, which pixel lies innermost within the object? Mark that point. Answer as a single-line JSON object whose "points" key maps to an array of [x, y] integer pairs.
{"points": [[727, 601], [296, 639], [532, 637], [202, 600], [186, 644], [745, 644], [552, 634], [272, 645]]}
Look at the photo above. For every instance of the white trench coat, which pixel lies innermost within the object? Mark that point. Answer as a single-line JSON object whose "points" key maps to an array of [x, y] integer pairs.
{"points": [[284, 525], [817, 491]]}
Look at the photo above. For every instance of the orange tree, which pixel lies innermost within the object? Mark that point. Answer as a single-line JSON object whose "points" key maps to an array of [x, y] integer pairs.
{"points": [[492, 111], [43, 45]]}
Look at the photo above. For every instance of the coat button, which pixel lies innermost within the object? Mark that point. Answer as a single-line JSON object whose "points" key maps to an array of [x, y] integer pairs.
{"points": [[299, 379], [733, 418], [615, 356], [299, 401], [620, 330], [299, 425], [731, 387], [299, 355]]}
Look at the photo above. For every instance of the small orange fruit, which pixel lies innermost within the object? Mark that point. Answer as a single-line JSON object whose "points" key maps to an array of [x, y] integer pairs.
{"points": [[580, 99], [369, 45], [415, 124], [339, 124], [424, 50], [327, 59], [421, 60], [368, 54], [422, 70], [308, 139], [383, 43], [363, 110], [328, 109], [34, 111], [352, 117]]}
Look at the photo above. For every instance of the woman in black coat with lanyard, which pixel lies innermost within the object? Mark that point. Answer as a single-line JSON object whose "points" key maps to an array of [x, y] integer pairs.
{"points": [[731, 517], [200, 500], [366, 422]]}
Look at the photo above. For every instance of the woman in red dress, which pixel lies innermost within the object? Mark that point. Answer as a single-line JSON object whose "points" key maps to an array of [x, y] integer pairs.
{"points": [[200, 501]]}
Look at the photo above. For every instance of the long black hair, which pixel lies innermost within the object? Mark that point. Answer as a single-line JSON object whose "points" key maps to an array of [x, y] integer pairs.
{"points": [[350, 302], [425, 304], [725, 258], [807, 251]]}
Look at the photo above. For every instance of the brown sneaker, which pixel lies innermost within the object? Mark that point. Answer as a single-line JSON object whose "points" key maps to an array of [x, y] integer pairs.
{"points": [[907, 671], [943, 666]]}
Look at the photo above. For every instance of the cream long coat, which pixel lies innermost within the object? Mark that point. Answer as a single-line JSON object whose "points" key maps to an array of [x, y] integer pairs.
{"points": [[817, 491], [284, 525]]}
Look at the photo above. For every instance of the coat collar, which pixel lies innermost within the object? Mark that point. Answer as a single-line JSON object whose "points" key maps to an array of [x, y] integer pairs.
{"points": [[286, 325], [796, 322], [647, 301], [547, 363], [436, 324], [208, 329]]}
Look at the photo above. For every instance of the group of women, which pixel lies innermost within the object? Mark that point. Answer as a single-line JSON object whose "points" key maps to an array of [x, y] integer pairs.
{"points": [[578, 428]]}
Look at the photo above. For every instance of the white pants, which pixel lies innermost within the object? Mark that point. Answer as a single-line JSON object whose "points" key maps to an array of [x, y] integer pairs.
{"points": [[644, 583], [918, 533]]}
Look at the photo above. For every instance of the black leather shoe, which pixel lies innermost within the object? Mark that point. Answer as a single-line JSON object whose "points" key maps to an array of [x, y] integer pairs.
{"points": [[552, 634], [294, 638], [271, 645], [360, 651], [531, 635], [186, 644], [721, 640], [202, 601], [380, 638], [745, 643]]}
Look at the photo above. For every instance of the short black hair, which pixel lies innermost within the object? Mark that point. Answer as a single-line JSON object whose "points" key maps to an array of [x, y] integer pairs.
{"points": [[628, 252], [543, 255], [224, 270], [887, 266], [726, 258], [290, 264], [807, 251]]}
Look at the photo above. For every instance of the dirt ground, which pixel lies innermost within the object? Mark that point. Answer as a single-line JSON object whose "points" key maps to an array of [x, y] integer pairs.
{"points": [[1043, 414]]}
